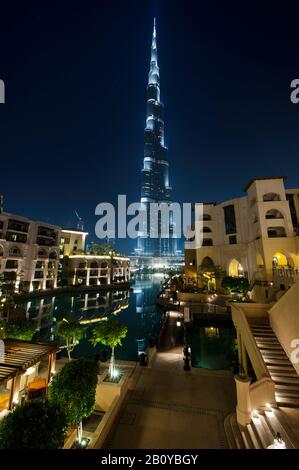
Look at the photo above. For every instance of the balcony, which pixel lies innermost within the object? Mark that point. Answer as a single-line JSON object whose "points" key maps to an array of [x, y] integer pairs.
{"points": [[281, 273], [17, 226]]}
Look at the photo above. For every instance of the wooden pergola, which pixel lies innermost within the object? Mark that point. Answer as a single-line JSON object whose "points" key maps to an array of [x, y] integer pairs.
{"points": [[19, 356]]}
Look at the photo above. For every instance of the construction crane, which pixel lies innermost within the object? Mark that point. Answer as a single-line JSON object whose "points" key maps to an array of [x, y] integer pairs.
{"points": [[80, 223]]}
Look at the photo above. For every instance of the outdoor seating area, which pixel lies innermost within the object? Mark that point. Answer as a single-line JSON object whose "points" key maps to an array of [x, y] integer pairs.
{"points": [[26, 369]]}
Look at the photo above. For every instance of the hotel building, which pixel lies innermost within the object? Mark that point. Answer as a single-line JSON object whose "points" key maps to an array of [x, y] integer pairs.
{"points": [[256, 236]]}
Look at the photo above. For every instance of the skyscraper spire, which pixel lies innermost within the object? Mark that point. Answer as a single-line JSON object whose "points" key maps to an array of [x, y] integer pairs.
{"points": [[155, 178], [154, 69]]}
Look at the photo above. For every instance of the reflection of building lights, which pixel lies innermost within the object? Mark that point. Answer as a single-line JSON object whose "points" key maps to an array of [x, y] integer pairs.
{"points": [[178, 323], [30, 370], [255, 414], [268, 406]]}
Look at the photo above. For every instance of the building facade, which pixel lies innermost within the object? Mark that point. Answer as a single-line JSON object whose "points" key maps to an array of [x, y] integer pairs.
{"points": [[256, 236], [31, 255], [30, 250], [101, 270], [155, 187]]}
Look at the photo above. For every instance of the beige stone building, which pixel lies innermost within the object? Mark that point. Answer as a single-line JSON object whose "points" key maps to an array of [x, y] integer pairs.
{"points": [[29, 249], [33, 251], [256, 236]]}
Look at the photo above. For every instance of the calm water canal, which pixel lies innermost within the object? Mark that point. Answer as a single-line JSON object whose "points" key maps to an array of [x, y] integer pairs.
{"points": [[213, 347], [136, 308]]}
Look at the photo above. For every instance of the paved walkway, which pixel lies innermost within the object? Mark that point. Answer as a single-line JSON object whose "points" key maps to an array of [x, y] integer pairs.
{"points": [[172, 408]]}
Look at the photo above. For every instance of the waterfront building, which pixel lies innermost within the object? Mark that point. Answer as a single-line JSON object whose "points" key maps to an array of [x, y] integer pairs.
{"points": [[72, 241], [155, 186], [256, 236], [29, 251], [99, 270]]}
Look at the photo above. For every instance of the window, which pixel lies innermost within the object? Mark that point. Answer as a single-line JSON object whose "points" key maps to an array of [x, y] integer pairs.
{"points": [[290, 198], [206, 217], [14, 251], [207, 242], [230, 219], [11, 264], [271, 197], [232, 239], [206, 230], [76, 242], [274, 214], [276, 232]]}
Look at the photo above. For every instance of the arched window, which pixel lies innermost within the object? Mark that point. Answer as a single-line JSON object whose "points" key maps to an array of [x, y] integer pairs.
{"points": [[14, 251], [42, 253], [82, 265], [53, 255], [94, 265], [271, 197], [276, 232], [206, 230], [273, 214], [235, 269], [207, 263], [104, 265]]}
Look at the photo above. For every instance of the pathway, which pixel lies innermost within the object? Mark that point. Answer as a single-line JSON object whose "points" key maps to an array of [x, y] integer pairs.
{"points": [[172, 408]]}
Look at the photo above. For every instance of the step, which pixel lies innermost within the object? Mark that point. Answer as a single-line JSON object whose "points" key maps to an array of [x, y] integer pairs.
{"points": [[286, 393], [275, 354], [273, 361], [287, 388], [236, 432], [269, 436], [286, 369], [274, 423], [261, 331], [285, 380], [266, 339], [269, 346], [254, 439], [258, 427], [286, 401], [229, 433], [263, 326], [247, 439]]}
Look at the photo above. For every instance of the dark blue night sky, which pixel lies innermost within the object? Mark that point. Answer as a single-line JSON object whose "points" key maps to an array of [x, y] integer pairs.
{"points": [[71, 132]]}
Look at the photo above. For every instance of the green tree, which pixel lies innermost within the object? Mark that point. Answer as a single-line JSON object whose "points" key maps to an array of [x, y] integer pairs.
{"points": [[238, 285], [36, 424], [71, 332], [18, 329], [74, 389], [102, 249], [109, 333], [7, 290]]}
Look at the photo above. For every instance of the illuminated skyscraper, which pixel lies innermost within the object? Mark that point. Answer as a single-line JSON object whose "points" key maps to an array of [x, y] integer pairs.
{"points": [[155, 172]]}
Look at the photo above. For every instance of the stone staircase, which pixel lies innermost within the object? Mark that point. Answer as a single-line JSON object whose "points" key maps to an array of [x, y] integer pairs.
{"points": [[282, 372], [260, 433]]}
